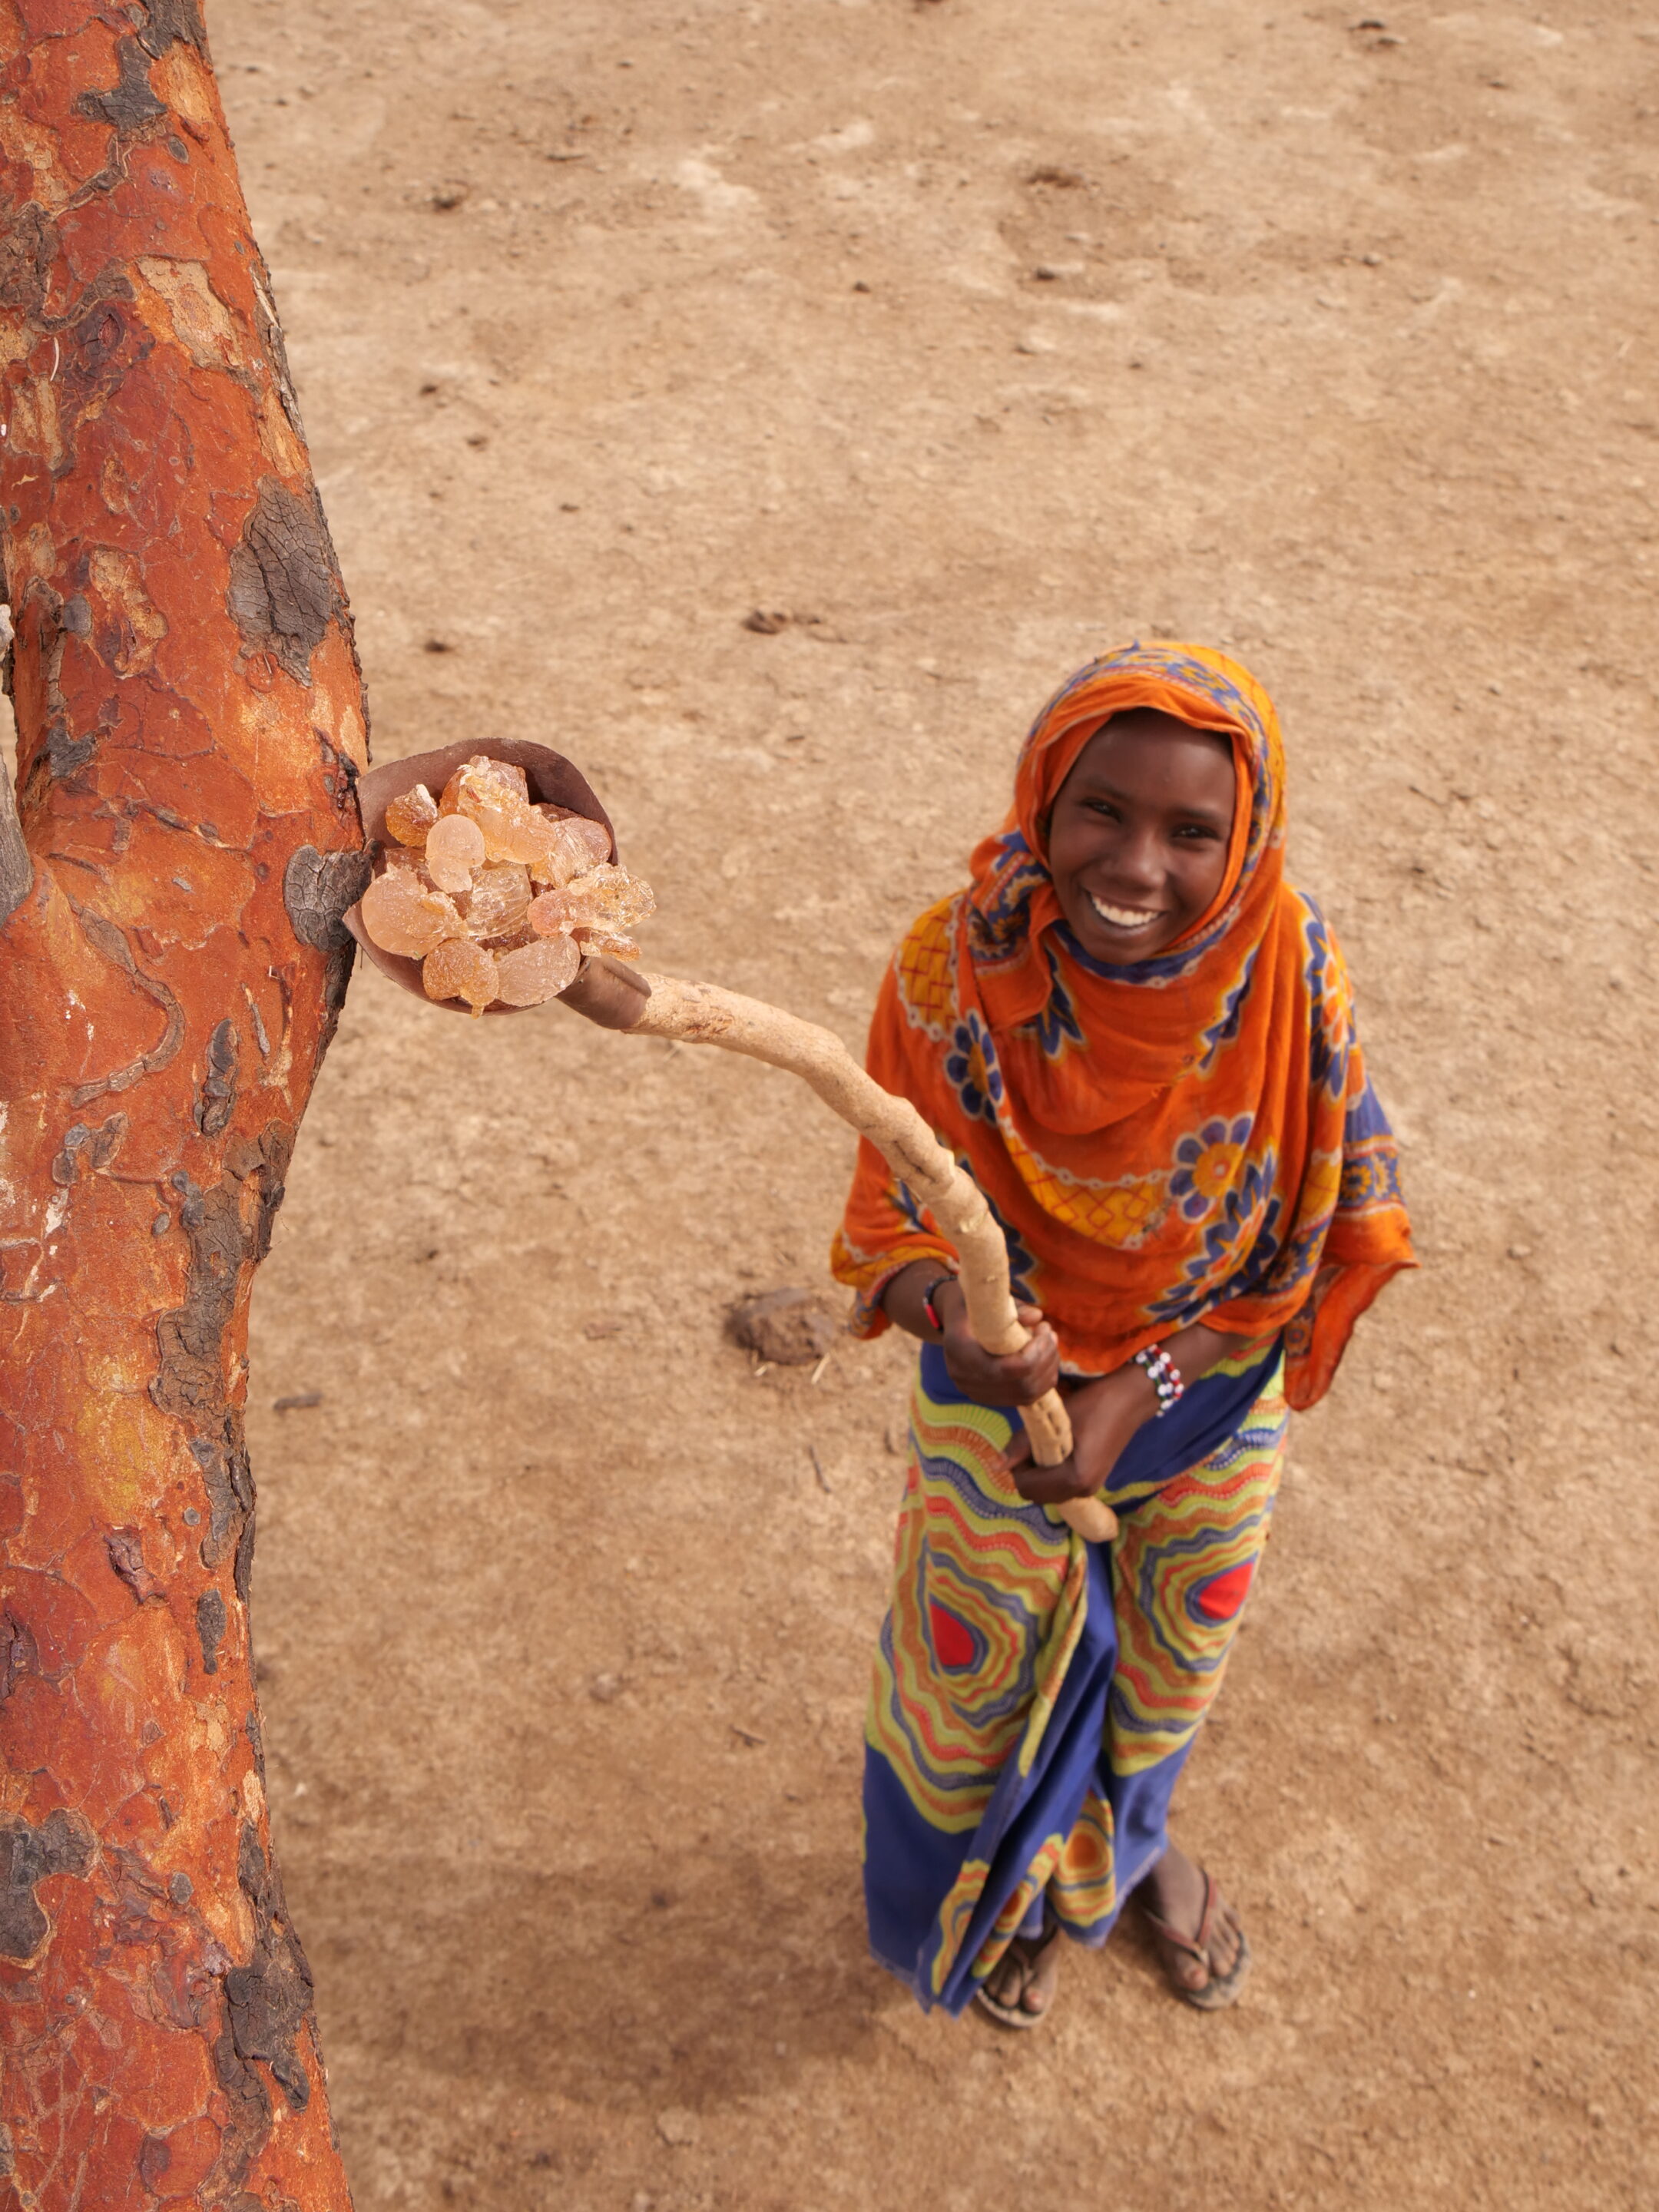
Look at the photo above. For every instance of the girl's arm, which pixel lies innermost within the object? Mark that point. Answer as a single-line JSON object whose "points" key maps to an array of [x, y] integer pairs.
{"points": [[1020, 1378], [1107, 1414]]}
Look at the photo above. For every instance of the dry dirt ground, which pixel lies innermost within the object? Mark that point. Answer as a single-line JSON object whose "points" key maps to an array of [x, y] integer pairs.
{"points": [[974, 337]]}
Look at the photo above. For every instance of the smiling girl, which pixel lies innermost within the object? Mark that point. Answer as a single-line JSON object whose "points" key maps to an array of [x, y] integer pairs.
{"points": [[1139, 1039]]}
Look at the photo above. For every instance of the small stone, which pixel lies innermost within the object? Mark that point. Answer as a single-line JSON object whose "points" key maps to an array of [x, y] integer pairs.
{"points": [[678, 2126], [454, 846], [791, 1328], [402, 914], [461, 970], [538, 972], [411, 815]]}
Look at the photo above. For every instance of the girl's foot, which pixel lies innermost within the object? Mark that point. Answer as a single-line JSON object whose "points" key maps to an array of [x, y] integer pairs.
{"points": [[1198, 1933], [1020, 1988]]}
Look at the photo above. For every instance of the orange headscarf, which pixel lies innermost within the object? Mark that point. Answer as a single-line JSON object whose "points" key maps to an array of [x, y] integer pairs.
{"points": [[1187, 1137]]}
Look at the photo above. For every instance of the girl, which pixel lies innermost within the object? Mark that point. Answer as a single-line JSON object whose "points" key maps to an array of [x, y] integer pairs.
{"points": [[1138, 1038]]}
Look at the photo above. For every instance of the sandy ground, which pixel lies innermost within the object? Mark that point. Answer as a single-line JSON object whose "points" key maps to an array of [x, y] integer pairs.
{"points": [[974, 337]]}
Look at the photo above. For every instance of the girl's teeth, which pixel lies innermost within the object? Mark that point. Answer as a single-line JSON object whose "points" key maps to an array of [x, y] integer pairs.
{"points": [[1122, 917]]}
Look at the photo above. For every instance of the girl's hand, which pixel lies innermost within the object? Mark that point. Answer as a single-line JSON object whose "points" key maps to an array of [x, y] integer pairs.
{"points": [[1019, 1378], [1104, 1416], [1014, 1378]]}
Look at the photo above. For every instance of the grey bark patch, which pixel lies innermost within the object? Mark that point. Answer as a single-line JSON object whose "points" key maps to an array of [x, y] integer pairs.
{"points": [[62, 1843], [284, 585], [190, 1379], [19, 1654], [250, 2100], [180, 1887], [29, 247], [129, 103], [172, 23], [67, 756], [270, 336], [228, 1474], [269, 2001], [317, 890], [125, 1547], [16, 869], [216, 1099], [211, 1621], [101, 1146]]}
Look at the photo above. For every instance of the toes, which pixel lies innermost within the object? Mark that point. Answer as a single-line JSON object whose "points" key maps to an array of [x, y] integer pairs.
{"points": [[1002, 1983], [1225, 1940], [1040, 1989]]}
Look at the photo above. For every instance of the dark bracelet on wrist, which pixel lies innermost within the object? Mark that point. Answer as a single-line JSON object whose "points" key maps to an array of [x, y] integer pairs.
{"points": [[935, 1320]]}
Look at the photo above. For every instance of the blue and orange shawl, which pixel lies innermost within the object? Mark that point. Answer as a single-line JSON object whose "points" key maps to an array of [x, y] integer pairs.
{"points": [[1189, 1137]]}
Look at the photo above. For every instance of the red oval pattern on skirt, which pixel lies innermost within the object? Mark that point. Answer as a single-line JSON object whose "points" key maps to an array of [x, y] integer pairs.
{"points": [[952, 1644], [1221, 1599]]}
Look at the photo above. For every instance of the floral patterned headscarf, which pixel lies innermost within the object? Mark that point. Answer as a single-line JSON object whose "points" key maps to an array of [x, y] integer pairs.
{"points": [[1191, 1136]]}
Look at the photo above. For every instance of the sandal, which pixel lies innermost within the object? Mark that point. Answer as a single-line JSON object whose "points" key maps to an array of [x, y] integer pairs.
{"points": [[1028, 1951], [1220, 1990]]}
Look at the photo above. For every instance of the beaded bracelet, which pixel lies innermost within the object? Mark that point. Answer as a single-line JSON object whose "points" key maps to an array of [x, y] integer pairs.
{"points": [[1164, 1374], [927, 1306]]}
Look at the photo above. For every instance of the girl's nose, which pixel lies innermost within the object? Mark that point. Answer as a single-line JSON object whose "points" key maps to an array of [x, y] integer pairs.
{"points": [[1139, 861]]}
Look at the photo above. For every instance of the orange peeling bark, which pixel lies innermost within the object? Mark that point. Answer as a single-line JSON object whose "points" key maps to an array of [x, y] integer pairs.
{"points": [[185, 840]]}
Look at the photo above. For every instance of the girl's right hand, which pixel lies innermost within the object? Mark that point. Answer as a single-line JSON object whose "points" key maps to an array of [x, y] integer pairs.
{"points": [[1014, 1378]]}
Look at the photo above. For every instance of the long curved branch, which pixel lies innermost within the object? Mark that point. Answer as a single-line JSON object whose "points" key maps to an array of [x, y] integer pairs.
{"points": [[703, 1013]]}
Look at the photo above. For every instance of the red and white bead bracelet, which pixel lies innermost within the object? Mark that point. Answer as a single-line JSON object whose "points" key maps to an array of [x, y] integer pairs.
{"points": [[1164, 1374]]}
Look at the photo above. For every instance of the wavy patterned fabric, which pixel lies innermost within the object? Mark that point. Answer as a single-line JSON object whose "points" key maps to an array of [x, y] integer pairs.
{"points": [[1189, 1137], [1035, 1697]]}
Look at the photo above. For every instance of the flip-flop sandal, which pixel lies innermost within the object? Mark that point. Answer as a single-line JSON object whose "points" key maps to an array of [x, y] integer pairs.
{"points": [[1221, 1989], [1015, 2016]]}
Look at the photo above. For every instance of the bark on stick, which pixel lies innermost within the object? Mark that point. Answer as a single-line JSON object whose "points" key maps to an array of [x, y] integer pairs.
{"points": [[185, 837], [702, 1013]]}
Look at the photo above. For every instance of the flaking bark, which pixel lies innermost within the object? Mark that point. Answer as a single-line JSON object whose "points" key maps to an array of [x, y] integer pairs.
{"points": [[185, 840]]}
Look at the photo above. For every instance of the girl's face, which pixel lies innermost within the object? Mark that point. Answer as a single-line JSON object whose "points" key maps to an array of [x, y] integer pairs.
{"points": [[1138, 835]]}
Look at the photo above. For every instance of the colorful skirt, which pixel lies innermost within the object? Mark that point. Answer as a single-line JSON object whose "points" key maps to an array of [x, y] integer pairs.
{"points": [[1036, 1696]]}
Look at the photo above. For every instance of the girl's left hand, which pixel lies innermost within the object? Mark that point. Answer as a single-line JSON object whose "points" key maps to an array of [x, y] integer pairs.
{"points": [[1104, 1416]]}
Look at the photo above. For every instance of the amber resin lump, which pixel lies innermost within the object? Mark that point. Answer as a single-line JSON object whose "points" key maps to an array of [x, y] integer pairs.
{"points": [[500, 896]]}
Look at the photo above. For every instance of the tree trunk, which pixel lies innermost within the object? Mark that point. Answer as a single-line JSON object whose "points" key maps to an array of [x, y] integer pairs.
{"points": [[191, 725]]}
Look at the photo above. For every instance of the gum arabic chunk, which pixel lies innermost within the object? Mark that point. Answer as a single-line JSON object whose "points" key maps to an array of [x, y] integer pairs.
{"points": [[481, 769], [454, 846], [499, 901], [461, 970], [403, 913], [411, 815], [538, 972], [606, 897]]}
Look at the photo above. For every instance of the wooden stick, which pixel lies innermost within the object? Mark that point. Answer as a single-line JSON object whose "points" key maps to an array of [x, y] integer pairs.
{"points": [[702, 1013]]}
